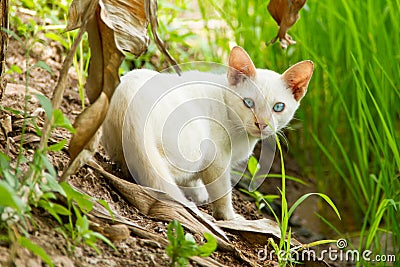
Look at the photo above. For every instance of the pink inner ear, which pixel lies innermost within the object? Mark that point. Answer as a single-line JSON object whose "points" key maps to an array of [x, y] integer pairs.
{"points": [[297, 78], [240, 63]]}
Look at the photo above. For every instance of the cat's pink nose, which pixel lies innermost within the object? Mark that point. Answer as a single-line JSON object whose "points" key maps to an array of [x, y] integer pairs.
{"points": [[261, 125]]}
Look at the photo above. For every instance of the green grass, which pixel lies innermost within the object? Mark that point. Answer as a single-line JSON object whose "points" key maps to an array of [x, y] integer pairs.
{"points": [[287, 259], [350, 127], [352, 111], [31, 184]]}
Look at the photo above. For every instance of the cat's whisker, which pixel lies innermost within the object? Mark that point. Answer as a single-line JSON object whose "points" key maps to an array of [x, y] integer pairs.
{"points": [[238, 126], [288, 128], [283, 137]]}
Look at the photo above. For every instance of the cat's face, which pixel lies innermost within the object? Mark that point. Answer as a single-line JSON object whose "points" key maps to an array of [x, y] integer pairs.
{"points": [[265, 101]]}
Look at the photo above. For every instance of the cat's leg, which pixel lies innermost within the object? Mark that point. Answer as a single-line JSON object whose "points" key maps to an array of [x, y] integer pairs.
{"points": [[159, 178], [217, 180], [149, 169], [195, 191]]}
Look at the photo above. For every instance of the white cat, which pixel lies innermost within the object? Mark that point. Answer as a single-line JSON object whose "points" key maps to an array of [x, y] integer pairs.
{"points": [[189, 131]]}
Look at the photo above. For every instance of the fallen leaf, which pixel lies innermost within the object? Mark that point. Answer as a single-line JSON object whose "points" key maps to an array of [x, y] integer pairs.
{"points": [[115, 27], [157, 204], [285, 13]]}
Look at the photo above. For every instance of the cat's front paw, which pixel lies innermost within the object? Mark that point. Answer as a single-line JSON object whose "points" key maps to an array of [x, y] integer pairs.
{"points": [[236, 217], [223, 209], [227, 216], [198, 195]]}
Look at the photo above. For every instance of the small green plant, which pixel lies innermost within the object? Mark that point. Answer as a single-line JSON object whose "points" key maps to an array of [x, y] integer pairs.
{"points": [[284, 250], [183, 246], [77, 226], [81, 59], [260, 199], [27, 184], [37, 187], [80, 63], [51, 25], [21, 191], [78, 204]]}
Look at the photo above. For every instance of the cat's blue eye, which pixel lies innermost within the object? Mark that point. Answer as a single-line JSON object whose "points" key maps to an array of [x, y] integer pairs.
{"points": [[279, 107], [248, 102]]}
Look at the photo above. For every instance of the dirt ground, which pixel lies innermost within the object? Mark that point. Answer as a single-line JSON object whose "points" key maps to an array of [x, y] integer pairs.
{"points": [[135, 250]]}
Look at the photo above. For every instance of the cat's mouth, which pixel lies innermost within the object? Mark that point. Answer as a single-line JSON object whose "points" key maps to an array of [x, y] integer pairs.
{"points": [[260, 133]]}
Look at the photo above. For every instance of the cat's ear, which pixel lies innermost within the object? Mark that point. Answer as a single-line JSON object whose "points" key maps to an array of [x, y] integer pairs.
{"points": [[240, 64], [297, 78]]}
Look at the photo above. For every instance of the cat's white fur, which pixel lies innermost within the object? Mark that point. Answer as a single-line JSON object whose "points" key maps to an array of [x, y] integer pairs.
{"points": [[191, 130]]}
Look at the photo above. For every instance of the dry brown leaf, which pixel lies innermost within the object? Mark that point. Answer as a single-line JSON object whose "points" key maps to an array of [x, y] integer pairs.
{"points": [[75, 14], [157, 204], [285, 13], [264, 226], [99, 214], [127, 18], [116, 26], [102, 80], [62, 80]]}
